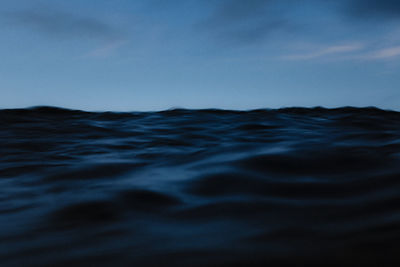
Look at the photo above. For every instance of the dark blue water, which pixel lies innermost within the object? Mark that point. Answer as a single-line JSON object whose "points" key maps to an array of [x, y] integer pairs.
{"points": [[200, 188]]}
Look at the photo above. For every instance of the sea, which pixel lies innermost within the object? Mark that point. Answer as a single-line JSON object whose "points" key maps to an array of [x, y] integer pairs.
{"points": [[266, 187]]}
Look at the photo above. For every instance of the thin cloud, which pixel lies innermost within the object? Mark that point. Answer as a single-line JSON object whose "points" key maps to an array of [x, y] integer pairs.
{"points": [[349, 52], [385, 53], [243, 22], [105, 50], [248, 22], [326, 51], [58, 24], [375, 8], [233, 11]]}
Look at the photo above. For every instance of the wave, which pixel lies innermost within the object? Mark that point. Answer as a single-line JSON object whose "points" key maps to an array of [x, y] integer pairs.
{"points": [[292, 186]]}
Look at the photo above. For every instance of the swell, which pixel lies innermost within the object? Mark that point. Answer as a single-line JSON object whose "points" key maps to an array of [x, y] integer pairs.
{"points": [[200, 187]]}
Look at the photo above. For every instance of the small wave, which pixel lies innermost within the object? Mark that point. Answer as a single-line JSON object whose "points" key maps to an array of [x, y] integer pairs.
{"points": [[291, 186]]}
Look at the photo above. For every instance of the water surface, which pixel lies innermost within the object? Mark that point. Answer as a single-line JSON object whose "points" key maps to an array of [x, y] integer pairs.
{"points": [[199, 187]]}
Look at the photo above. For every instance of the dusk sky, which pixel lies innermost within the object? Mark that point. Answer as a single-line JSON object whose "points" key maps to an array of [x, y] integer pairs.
{"points": [[128, 55]]}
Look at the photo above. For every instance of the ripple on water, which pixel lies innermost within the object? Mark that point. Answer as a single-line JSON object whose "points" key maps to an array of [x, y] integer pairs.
{"points": [[210, 187]]}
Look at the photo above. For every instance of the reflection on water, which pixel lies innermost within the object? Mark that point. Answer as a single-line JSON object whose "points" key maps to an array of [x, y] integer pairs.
{"points": [[199, 188]]}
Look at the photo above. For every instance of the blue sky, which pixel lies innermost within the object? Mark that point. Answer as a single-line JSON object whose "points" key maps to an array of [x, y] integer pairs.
{"points": [[234, 54]]}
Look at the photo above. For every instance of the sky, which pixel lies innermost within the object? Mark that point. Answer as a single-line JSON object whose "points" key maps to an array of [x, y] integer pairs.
{"points": [[146, 55]]}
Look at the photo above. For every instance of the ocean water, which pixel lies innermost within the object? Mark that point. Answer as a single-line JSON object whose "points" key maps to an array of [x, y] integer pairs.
{"points": [[182, 187]]}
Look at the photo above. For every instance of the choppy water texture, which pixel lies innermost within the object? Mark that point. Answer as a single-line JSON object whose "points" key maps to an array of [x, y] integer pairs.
{"points": [[199, 188]]}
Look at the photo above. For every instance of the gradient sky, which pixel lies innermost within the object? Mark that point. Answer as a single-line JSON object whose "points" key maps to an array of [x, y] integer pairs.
{"points": [[128, 55]]}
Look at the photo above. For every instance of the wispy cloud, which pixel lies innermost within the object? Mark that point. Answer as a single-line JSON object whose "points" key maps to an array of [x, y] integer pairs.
{"points": [[57, 24], [241, 22], [385, 53], [105, 50], [357, 51], [244, 22], [374, 8], [326, 51]]}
